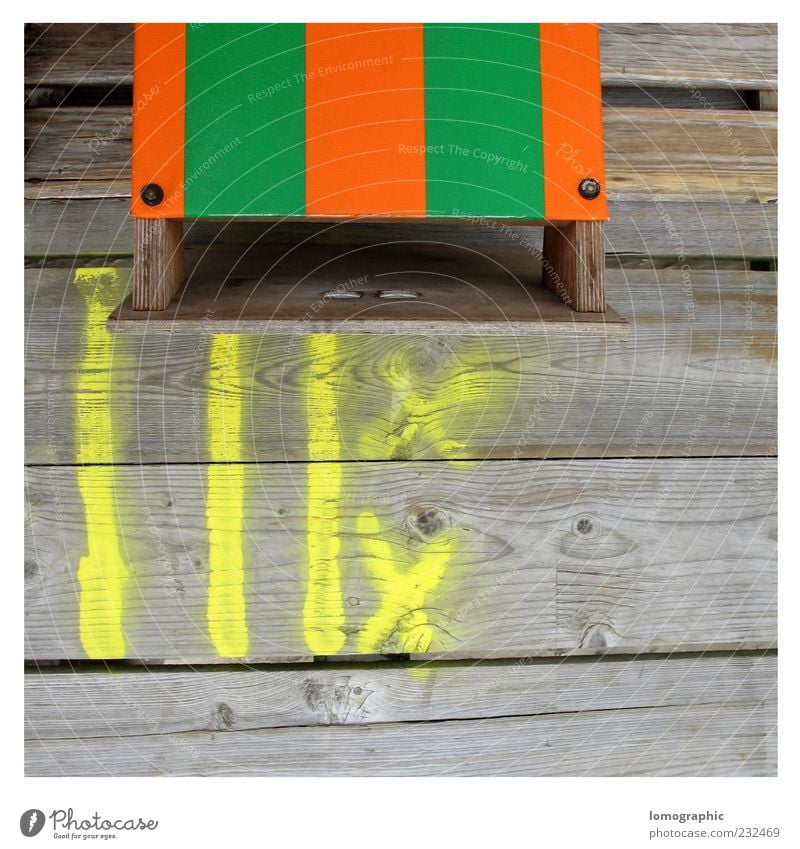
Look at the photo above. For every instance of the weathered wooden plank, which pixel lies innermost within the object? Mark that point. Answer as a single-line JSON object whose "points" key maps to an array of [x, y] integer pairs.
{"points": [[679, 154], [695, 377], [736, 55], [63, 705], [73, 54], [657, 228], [78, 143], [78, 227], [102, 226], [79, 189], [698, 740], [671, 153], [502, 559]]}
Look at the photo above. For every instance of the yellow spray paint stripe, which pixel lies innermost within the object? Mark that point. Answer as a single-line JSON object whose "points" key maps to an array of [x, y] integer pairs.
{"points": [[323, 611], [416, 417], [102, 572], [227, 607], [401, 619]]}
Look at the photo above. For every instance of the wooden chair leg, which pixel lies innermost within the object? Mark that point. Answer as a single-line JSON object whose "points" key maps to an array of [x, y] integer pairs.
{"points": [[157, 262], [574, 266]]}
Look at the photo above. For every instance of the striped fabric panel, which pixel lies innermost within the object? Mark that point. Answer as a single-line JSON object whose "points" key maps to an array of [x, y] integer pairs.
{"points": [[483, 119], [365, 119], [245, 120], [159, 95], [399, 120], [572, 119]]}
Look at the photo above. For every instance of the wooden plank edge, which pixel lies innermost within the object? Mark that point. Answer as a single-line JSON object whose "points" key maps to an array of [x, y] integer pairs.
{"points": [[125, 320], [712, 739], [130, 702]]}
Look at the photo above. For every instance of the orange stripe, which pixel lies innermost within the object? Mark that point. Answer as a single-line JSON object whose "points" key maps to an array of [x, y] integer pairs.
{"points": [[572, 120], [365, 120], [159, 92]]}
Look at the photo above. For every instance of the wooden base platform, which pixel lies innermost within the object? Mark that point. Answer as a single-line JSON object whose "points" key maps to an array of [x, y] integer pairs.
{"points": [[395, 287]]}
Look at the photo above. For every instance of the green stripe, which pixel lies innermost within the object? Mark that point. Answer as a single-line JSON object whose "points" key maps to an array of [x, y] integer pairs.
{"points": [[483, 120], [245, 120]]}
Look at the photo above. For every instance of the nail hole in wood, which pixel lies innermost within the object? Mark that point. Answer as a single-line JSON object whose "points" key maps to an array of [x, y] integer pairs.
{"points": [[336, 295], [398, 294]]}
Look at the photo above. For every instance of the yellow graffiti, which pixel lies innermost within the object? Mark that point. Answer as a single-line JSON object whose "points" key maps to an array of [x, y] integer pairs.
{"points": [[427, 386], [420, 419], [227, 608], [323, 611], [102, 573], [401, 619]]}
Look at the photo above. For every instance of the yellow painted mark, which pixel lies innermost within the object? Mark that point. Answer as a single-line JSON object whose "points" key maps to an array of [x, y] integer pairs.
{"points": [[423, 672], [401, 618], [102, 573], [227, 607], [421, 417], [421, 405], [323, 611]]}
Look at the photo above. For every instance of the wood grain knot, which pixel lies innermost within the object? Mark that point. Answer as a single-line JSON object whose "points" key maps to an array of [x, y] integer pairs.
{"points": [[601, 636], [426, 522], [223, 718], [585, 526], [31, 570], [427, 357]]}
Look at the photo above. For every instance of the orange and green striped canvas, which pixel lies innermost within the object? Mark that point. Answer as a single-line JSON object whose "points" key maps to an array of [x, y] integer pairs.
{"points": [[385, 120]]}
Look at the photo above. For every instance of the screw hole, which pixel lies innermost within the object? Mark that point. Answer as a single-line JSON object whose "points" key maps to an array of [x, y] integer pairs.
{"points": [[336, 295], [398, 294]]}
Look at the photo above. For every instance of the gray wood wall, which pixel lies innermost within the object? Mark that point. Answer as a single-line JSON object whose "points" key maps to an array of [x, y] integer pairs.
{"points": [[593, 522]]}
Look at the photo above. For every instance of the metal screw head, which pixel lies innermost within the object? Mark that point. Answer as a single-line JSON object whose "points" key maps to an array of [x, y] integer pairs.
{"points": [[589, 188], [152, 194]]}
